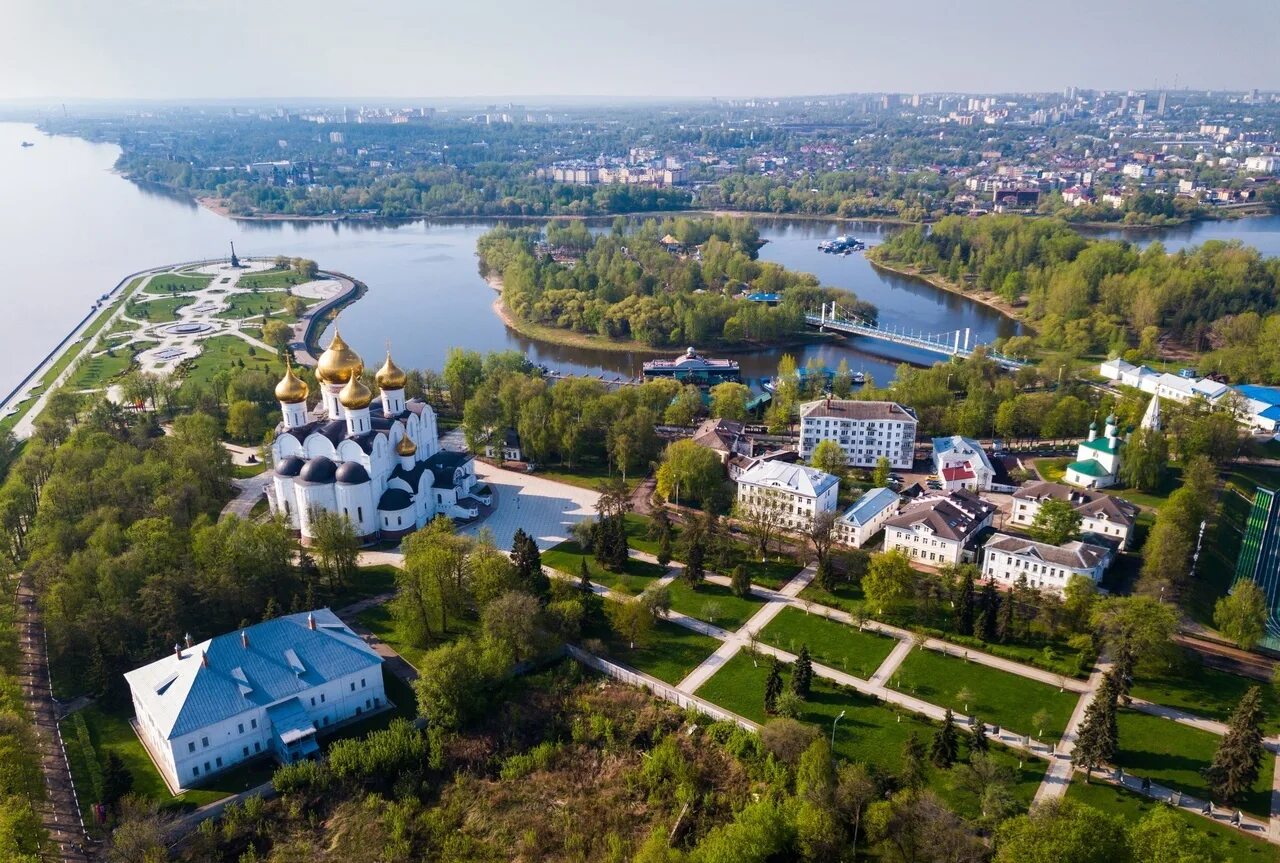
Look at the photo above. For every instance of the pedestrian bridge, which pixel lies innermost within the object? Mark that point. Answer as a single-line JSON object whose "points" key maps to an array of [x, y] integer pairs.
{"points": [[952, 344]]}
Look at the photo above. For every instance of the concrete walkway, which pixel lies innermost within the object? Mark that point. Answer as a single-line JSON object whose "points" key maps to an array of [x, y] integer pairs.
{"points": [[249, 493], [1058, 777]]}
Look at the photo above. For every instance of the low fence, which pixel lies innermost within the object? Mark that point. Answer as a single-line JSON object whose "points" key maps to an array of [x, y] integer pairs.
{"points": [[657, 687]]}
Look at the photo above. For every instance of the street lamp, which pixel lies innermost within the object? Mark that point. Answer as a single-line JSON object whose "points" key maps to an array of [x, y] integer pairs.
{"points": [[833, 734]]}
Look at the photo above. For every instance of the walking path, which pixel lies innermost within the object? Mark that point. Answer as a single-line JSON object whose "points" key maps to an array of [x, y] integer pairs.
{"points": [[249, 493], [1058, 776], [60, 810]]}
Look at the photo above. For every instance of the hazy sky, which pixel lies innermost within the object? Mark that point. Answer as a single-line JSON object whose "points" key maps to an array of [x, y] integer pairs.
{"points": [[176, 49]]}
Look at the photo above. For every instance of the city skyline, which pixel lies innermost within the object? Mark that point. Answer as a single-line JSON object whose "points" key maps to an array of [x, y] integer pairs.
{"points": [[141, 50]]}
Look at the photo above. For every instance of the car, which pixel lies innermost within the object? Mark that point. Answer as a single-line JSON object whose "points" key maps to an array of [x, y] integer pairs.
{"points": [[895, 477], [934, 484]]}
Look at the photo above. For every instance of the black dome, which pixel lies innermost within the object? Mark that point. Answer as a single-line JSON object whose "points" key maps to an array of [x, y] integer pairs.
{"points": [[394, 500], [352, 473], [290, 466], [319, 470]]}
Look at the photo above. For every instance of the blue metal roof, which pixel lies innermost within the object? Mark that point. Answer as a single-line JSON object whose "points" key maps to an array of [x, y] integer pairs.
{"points": [[871, 504], [1270, 395], [222, 677]]}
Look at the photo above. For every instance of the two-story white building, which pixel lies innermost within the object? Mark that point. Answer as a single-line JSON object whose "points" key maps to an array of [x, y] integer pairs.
{"points": [[940, 529], [866, 517], [1111, 518], [960, 462], [1006, 558], [866, 431], [269, 689], [794, 492]]}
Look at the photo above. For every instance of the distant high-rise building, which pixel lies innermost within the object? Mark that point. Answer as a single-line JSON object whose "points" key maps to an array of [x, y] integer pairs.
{"points": [[1160, 104]]}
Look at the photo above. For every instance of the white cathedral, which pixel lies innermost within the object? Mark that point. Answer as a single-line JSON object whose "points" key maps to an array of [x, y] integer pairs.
{"points": [[380, 466]]}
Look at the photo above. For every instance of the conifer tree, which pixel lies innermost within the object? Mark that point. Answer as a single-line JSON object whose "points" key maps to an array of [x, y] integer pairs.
{"points": [[978, 743], [1123, 669], [987, 624], [1096, 740], [528, 563], [912, 774], [695, 561], [773, 686], [584, 575], [802, 673], [740, 582], [1236, 763], [965, 605], [664, 548], [946, 743], [1005, 625]]}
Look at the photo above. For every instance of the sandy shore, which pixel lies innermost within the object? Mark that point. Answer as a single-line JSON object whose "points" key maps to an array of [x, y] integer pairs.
{"points": [[986, 298]]}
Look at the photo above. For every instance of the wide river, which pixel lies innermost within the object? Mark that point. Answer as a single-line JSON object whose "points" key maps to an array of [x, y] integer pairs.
{"points": [[70, 229]]}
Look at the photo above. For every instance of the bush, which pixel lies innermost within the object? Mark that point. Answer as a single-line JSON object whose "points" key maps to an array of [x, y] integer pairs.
{"points": [[381, 755], [523, 763], [312, 776]]}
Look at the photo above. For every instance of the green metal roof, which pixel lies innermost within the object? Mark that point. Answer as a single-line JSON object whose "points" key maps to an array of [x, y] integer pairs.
{"points": [[1101, 444], [1088, 468]]}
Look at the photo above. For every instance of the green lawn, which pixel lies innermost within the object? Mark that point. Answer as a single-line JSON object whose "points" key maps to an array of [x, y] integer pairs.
{"points": [[247, 471], [714, 603], [172, 283], [588, 473], [273, 279], [1230, 845], [97, 370], [773, 572], [831, 643], [1173, 755], [669, 654], [221, 352], [251, 305], [379, 621], [368, 581], [1052, 469], [997, 697], [634, 578], [158, 310], [1196, 688], [111, 732], [870, 732]]}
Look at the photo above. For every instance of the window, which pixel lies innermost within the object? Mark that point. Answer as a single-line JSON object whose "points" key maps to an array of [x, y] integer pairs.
{"points": [[204, 742], [322, 698], [353, 686], [362, 683], [195, 771], [257, 747], [240, 727], [367, 703], [191, 747], [246, 752], [219, 761], [253, 723], [207, 768], [313, 701]]}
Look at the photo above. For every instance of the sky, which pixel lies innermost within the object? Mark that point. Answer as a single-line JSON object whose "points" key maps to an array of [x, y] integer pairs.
{"points": [[659, 49]]}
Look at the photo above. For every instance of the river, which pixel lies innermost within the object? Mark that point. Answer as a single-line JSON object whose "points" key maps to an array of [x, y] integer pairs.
{"points": [[70, 229]]}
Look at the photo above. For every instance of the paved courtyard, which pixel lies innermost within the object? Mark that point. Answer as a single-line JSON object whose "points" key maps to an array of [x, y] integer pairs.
{"points": [[544, 508]]}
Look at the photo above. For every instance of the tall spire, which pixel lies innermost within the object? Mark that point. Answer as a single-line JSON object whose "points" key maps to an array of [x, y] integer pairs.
{"points": [[1151, 419]]}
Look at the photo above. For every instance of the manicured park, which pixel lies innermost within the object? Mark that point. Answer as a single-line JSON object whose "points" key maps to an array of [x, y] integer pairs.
{"points": [[714, 603], [1204, 691], [669, 651], [997, 697], [635, 576], [831, 643]]}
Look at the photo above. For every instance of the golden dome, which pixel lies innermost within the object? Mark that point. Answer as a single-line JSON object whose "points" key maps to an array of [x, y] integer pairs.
{"points": [[291, 389], [337, 362], [390, 376], [406, 446], [356, 394]]}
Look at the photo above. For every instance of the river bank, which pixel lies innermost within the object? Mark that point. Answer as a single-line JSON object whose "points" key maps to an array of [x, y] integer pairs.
{"points": [[986, 298]]}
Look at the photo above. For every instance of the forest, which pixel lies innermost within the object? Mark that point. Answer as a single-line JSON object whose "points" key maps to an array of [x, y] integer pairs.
{"points": [[625, 284], [1102, 296]]}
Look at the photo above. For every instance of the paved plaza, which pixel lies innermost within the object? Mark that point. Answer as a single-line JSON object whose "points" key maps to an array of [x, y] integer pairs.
{"points": [[544, 508]]}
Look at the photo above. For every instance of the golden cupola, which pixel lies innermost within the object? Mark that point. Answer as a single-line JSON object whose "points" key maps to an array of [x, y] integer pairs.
{"points": [[406, 446], [390, 376], [291, 389], [338, 362], [356, 394]]}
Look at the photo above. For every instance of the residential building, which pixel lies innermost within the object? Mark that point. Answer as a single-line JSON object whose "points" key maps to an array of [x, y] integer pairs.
{"points": [[726, 438], [504, 445], [866, 431], [941, 529], [960, 462], [795, 492], [269, 689], [866, 517], [1007, 558], [1103, 517]]}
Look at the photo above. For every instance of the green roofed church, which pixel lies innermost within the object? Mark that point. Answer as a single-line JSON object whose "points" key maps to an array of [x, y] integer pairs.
{"points": [[1097, 463]]}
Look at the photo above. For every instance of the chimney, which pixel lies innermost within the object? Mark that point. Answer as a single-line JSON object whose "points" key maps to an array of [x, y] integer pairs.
{"points": [[311, 621], [188, 639], [177, 650], [244, 639], [204, 659]]}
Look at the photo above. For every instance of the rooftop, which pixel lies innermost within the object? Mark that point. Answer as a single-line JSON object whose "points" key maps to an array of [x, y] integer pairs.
{"points": [[872, 503], [851, 409], [955, 517], [1074, 554], [797, 478]]}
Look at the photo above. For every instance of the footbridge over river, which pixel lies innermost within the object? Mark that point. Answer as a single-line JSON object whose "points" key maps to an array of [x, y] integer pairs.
{"points": [[952, 344]]}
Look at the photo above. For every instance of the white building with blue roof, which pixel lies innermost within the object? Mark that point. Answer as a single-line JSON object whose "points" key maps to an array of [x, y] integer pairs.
{"points": [[1261, 406], [866, 517], [269, 689]]}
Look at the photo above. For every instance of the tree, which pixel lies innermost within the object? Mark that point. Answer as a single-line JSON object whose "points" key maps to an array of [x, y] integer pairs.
{"points": [[888, 580], [335, 546], [455, 680], [277, 333], [988, 623], [916, 826], [664, 548], [631, 620], [829, 457], [855, 791], [802, 673], [685, 407], [694, 557], [946, 743], [729, 401], [656, 599], [821, 535], [514, 619], [740, 582], [1164, 837], [117, 781], [1236, 764], [773, 686], [1242, 614], [584, 575], [1056, 522], [842, 380], [463, 371], [528, 563], [978, 742], [965, 603], [880, 476], [763, 512], [688, 471], [1097, 738], [1061, 830], [1143, 623], [245, 421], [912, 773], [1146, 459], [787, 739]]}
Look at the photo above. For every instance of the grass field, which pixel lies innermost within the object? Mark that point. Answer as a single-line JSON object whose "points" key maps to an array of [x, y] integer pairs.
{"points": [[94, 371], [831, 643], [1230, 845], [248, 471], [379, 621], [270, 279], [634, 578], [159, 310], [1196, 688], [997, 697], [1173, 755], [588, 473], [368, 581], [714, 603], [773, 572], [222, 352], [172, 283], [251, 305], [669, 654], [870, 733]]}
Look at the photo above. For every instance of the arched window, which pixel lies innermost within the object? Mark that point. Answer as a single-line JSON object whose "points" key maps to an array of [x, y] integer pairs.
{"points": [[360, 513]]}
